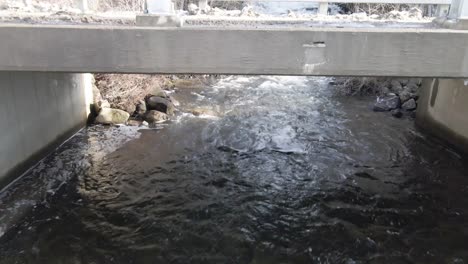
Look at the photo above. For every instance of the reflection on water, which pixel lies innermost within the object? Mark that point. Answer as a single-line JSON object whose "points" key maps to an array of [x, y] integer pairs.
{"points": [[286, 172]]}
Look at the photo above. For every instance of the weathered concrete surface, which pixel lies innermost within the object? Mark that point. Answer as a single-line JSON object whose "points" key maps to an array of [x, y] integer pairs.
{"points": [[300, 51], [38, 111], [443, 110]]}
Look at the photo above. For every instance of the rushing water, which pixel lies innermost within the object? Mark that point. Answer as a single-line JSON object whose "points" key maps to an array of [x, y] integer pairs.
{"points": [[286, 172]]}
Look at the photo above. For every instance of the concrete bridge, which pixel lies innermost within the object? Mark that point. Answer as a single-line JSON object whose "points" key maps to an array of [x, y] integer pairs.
{"points": [[46, 93]]}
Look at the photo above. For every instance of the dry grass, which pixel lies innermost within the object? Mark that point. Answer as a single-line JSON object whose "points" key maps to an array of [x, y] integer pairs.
{"points": [[124, 90]]}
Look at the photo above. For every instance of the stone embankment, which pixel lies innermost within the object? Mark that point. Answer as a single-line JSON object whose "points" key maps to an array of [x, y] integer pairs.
{"points": [[138, 99], [397, 96]]}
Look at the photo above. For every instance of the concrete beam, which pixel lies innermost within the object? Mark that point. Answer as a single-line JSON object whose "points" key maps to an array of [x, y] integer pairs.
{"points": [[300, 51]]}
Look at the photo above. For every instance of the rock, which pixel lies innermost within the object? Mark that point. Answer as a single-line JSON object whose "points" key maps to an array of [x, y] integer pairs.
{"points": [[416, 81], [412, 87], [174, 101], [403, 82], [154, 116], [99, 105], [112, 116], [410, 105], [203, 111], [157, 91], [192, 9], [387, 103], [160, 104], [396, 86], [405, 96], [141, 108], [397, 113], [133, 123], [144, 123]]}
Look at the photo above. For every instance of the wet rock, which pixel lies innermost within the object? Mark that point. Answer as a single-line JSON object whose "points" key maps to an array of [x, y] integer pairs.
{"points": [[410, 105], [154, 116], [203, 111], [141, 108], [160, 104], [133, 123], [397, 113], [387, 103], [192, 9], [112, 116], [405, 96], [144, 123], [100, 104]]}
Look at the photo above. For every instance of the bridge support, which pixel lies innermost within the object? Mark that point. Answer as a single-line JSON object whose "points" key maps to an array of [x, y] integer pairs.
{"points": [[442, 110], [38, 111], [457, 17]]}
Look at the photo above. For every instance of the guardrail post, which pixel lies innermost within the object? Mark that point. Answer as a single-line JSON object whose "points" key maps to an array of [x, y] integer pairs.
{"points": [[202, 5], [442, 10], [323, 8], [84, 6]]}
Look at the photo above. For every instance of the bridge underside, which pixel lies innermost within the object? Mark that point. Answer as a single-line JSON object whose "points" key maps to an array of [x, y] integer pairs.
{"points": [[301, 51]]}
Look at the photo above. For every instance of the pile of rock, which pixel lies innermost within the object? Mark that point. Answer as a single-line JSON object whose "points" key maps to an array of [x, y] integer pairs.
{"points": [[156, 107], [401, 97]]}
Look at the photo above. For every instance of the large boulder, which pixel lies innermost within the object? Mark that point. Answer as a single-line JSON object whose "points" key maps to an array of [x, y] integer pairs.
{"points": [[387, 103], [112, 116], [160, 104], [157, 91], [154, 116], [409, 105]]}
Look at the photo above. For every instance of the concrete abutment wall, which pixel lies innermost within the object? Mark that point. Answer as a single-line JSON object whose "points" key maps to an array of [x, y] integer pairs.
{"points": [[443, 110], [38, 111]]}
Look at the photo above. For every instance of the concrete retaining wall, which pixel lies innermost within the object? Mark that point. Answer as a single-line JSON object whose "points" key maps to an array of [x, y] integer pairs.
{"points": [[443, 110], [38, 111]]}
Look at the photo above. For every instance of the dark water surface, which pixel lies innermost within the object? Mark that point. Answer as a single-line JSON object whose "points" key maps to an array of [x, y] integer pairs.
{"points": [[287, 172]]}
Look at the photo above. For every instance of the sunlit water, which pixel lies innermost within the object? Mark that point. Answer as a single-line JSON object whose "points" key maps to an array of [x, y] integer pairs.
{"points": [[285, 172]]}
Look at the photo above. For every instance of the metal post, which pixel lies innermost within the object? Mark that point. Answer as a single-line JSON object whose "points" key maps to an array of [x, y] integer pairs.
{"points": [[323, 8]]}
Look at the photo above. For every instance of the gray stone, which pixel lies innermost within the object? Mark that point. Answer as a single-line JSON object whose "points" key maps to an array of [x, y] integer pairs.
{"points": [[405, 96], [203, 111], [154, 116], [409, 105], [100, 104], [157, 91], [387, 103], [160, 104], [133, 123], [396, 86], [144, 123], [411, 87], [396, 113], [403, 82], [112, 116], [141, 108]]}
